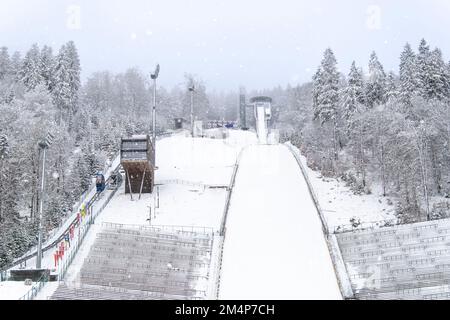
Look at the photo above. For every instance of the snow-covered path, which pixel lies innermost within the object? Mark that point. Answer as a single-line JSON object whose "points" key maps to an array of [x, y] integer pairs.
{"points": [[274, 246]]}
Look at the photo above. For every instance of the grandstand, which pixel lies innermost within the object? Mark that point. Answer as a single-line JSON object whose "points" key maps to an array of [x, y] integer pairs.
{"points": [[144, 263], [399, 262]]}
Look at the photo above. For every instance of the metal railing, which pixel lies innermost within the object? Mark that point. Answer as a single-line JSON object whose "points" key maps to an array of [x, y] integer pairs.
{"points": [[61, 237], [84, 230], [172, 228]]}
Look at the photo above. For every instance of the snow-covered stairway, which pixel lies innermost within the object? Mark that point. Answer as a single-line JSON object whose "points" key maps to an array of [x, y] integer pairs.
{"points": [[400, 262], [141, 262]]}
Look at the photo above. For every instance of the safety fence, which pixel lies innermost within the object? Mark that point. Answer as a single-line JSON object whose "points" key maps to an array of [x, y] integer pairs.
{"points": [[83, 229], [182, 183], [73, 223], [366, 225], [156, 228], [83, 232]]}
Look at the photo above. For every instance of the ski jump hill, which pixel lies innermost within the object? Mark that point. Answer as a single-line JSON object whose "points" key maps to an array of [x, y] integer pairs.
{"points": [[274, 246]]}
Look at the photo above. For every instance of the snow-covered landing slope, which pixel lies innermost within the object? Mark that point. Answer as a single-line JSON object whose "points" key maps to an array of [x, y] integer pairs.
{"points": [[274, 246]]}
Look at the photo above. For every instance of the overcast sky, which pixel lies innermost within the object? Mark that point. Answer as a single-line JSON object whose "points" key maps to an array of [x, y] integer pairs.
{"points": [[256, 43]]}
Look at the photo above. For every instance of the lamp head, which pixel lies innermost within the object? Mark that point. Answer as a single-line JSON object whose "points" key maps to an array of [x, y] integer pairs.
{"points": [[155, 75]]}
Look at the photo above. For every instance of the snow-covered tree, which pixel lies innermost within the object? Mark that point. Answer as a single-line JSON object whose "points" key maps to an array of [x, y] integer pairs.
{"points": [[30, 72], [67, 80], [438, 88], [376, 83], [326, 100], [353, 94], [408, 75], [201, 100], [327, 90], [16, 65], [5, 63], [392, 91], [47, 65]]}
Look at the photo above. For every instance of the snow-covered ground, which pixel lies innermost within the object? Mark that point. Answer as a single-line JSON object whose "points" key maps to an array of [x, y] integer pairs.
{"points": [[274, 246], [339, 204], [13, 290]]}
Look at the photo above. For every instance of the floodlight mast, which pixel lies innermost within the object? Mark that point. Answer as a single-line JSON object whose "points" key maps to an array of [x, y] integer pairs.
{"points": [[43, 146], [154, 76], [192, 90]]}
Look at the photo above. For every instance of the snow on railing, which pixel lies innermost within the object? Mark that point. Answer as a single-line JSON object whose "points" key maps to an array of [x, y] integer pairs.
{"points": [[171, 228], [190, 183]]}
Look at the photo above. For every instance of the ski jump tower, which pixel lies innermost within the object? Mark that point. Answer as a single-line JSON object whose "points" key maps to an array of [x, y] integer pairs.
{"points": [[262, 107], [137, 157]]}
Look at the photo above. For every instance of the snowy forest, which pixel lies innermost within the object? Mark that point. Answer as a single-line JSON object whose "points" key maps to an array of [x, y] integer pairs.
{"points": [[379, 131]]}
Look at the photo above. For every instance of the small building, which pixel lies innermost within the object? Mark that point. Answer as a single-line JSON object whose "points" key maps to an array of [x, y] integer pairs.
{"points": [[137, 157], [179, 122]]}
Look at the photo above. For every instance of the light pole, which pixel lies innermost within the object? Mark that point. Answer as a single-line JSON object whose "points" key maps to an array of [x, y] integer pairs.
{"points": [[154, 76], [43, 146], [192, 90]]}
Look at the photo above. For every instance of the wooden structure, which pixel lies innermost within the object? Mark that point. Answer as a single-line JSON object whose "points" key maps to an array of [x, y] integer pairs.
{"points": [[137, 157]]}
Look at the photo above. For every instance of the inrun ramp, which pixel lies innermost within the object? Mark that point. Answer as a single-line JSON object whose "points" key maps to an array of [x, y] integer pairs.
{"points": [[274, 246]]}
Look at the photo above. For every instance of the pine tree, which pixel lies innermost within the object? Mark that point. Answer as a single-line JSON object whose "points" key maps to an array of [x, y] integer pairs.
{"points": [[353, 94], [327, 89], [439, 79], [5, 63], [423, 65], [16, 65], [4, 146], [66, 80], [30, 74], [392, 92], [47, 65], [408, 75], [376, 84], [74, 72]]}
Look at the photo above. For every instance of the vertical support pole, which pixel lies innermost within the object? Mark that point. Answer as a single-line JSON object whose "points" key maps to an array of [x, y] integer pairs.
{"points": [[142, 184], [129, 185], [192, 112], [154, 116], [41, 204], [157, 190]]}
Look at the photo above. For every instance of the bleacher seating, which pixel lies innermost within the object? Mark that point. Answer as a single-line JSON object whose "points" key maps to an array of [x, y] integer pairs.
{"points": [[143, 263], [399, 262]]}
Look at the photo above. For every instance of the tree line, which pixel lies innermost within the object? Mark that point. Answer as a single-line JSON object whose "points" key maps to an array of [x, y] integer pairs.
{"points": [[377, 129]]}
